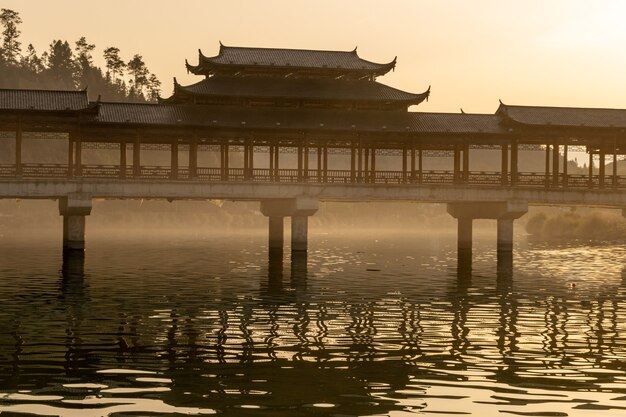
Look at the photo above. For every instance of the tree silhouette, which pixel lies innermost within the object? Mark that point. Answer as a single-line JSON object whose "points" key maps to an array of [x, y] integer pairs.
{"points": [[11, 46], [63, 68]]}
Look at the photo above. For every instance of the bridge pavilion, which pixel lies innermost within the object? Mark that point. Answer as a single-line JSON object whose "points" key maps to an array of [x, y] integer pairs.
{"points": [[272, 117]]}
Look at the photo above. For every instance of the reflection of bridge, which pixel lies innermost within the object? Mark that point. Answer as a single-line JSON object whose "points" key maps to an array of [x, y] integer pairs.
{"points": [[316, 128]]}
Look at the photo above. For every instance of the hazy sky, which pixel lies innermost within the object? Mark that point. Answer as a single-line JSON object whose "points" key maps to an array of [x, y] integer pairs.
{"points": [[472, 53]]}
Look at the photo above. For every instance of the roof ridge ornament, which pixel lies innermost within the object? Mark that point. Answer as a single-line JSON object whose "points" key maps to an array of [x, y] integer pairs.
{"points": [[354, 50]]}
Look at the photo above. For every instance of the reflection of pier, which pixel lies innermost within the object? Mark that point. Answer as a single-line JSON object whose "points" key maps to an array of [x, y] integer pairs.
{"points": [[346, 345], [291, 128]]}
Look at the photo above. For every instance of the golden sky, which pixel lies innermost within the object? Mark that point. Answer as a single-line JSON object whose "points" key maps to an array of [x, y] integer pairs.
{"points": [[472, 53]]}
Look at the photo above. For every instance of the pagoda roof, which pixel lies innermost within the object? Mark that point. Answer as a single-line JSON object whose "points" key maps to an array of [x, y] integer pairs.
{"points": [[243, 117], [298, 88], [563, 116], [288, 59], [43, 100]]}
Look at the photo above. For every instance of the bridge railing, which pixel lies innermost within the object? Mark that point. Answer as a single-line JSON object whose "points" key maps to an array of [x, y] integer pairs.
{"points": [[336, 176]]}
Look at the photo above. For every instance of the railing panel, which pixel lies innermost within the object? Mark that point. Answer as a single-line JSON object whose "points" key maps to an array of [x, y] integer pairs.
{"points": [[7, 171], [428, 177], [44, 171]]}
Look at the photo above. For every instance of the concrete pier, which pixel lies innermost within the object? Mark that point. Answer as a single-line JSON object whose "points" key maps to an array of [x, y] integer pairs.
{"points": [[504, 212], [299, 233], [464, 231], [299, 209], [276, 232], [505, 235], [74, 208]]}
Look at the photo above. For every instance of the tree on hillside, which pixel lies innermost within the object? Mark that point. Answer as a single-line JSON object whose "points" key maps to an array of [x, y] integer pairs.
{"points": [[139, 76], [61, 66], [154, 88], [31, 62], [11, 46], [115, 64]]}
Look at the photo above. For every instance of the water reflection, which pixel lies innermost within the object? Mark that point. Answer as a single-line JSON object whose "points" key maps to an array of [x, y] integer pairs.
{"points": [[361, 332]]}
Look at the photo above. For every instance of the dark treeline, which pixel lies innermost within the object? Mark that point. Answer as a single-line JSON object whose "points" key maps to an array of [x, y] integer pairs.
{"points": [[67, 67]]}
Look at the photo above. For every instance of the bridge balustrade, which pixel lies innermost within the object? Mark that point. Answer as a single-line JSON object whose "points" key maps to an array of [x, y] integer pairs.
{"points": [[338, 176]]}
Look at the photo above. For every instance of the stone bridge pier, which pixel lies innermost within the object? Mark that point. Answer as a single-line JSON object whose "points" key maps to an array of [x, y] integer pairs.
{"points": [[299, 209], [74, 208], [504, 212]]}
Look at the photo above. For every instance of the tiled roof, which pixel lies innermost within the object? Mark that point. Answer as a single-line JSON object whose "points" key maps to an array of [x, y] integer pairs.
{"points": [[43, 100], [292, 57], [310, 88], [564, 116], [298, 119], [283, 61]]}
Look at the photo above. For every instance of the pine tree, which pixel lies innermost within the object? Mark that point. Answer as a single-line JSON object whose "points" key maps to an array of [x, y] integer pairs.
{"points": [[115, 64], [11, 46], [31, 62], [139, 72], [61, 66]]}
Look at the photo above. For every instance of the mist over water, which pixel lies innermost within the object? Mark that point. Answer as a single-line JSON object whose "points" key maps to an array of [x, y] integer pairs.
{"points": [[379, 324]]}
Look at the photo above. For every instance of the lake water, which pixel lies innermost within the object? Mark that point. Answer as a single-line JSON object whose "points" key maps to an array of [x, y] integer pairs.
{"points": [[363, 326]]}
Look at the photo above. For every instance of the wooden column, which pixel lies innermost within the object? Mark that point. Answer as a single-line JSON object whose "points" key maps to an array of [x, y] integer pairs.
{"points": [[193, 158], [319, 164], [413, 162], [137, 157], [352, 162], [547, 165], [325, 162], [246, 160], [18, 150], [404, 164], [174, 159], [79, 157], [514, 162], [122, 160], [456, 174], [555, 165], [465, 176], [601, 168], [614, 183], [360, 162], [306, 161], [224, 162], [366, 164], [420, 174], [271, 166], [300, 162], [565, 165], [590, 168], [70, 156], [505, 164], [276, 161], [373, 165]]}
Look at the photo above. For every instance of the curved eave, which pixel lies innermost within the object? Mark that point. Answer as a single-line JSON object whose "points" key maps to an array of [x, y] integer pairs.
{"points": [[206, 64], [185, 92]]}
